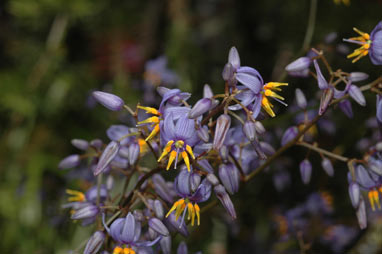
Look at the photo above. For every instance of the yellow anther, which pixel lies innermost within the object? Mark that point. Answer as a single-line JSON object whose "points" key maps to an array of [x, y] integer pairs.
{"points": [[179, 144], [180, 208], [153, 132], [371, 200], [190, 152], [366, 36], [376, 199], [274, 85], [174, 206], [126, 250], [150, 110], [191, 213], [197, 211], [132, 251], [380, 189], [142, 146], [171, 159], [267, 106], [77, 196], [186, 160], [270, 93], [166, 150], [117, 250], [153, 119]]}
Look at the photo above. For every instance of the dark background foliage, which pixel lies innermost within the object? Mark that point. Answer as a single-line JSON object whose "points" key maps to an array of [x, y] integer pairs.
{"points": [[54, 52]]}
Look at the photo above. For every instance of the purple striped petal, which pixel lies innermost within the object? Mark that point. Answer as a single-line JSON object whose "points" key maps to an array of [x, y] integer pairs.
{"points": [[234, 58], [250, 79], [322, 84]]}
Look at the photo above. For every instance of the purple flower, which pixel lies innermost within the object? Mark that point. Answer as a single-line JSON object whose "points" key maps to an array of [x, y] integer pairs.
{"points": [[230, 177], [222, 126], [108, 100], [370, 44], [107, 156], [379, 109], [179, 138], [95, 242], [299, 64], [191, 196], [70, 161], [127, 231]]}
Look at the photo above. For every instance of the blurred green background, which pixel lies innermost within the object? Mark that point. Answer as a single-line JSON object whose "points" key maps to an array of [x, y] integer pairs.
{"points": [[54, 52]]}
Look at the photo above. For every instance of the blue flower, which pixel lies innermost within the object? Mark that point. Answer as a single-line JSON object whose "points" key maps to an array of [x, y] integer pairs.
{"points": [[370, 44]]}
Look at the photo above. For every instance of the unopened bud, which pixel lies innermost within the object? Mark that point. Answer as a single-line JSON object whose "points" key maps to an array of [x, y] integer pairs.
{"points": [[249, 129], [354, 193], [158, 209], [80, 144], [201, 107], [88, 211], [361, 214], [306, 171], [230, 177], [289, 135], [357, 95], [259, 128], [95, 242], [326, 98], [299, 64], [70, 161], [327, 166], [109, 100], [212, 179], [358, 76], [300, 99], [222, 126], [207, 91], [202, 133], [322, 83], [165, 244], [158, 226], [133, 153], [224, 198], [107, 156], [345, 107]]}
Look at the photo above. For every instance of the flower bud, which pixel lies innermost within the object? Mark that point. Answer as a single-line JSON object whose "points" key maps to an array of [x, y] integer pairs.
{"points": [[165, 244], [212, 179], [200, 107], [222, 126], [354, 193], [205, 166], [228, 73], [109, 100], [234, 58], [357, 95], [306, 171], [361, 214], [230, 177], [322, 83], [194, 181], [358, 76], [202, 133], [175, 225], [96, 143], [259, 128], [158, 209], [95, 242], [124, 152], [345, 107], [223, 152], [300, 99], [133, 153], [161, 188], [224, 198], [80, 144], [299, 64], [326, 98], [267, 148], [158, 226], [379, 109], [327, 166], [207, 91], [249, 130], [289, 135], [375, 165], [182, 248], [88, 211], [107, 156], [70, 161]]}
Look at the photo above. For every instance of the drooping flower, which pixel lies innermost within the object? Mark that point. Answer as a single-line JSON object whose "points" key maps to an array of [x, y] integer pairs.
{"points": [[180, 138], [191, 192], [126, 232], [370, 44]]}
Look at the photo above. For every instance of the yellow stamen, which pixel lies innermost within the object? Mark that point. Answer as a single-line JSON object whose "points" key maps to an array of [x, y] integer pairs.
{"points": [[376, 199], [166, 150], [274, 85], [126, 251], [380, 189], [174, 206], [371, 200], [190, 152], [366, 36], [171, 159], [132, 251], [77, 196], [186, 160], [191, 213], [153, 132], [179, 144], [270, 93], [117, 250], [142, 146], [267, 106], [197, 211], [153, 119], [150, 110], [180, 209]]}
